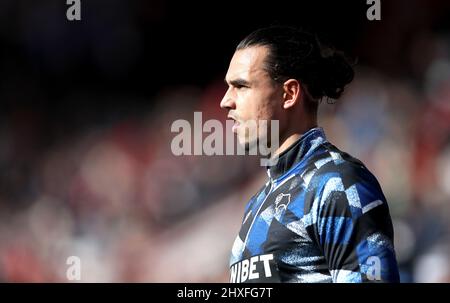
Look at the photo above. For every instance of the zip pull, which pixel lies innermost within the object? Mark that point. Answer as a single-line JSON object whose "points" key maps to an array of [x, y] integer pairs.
{"points": [[270, 177]]}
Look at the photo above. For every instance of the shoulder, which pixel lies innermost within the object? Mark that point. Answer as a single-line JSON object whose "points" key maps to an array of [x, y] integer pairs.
{"points": [[340, 176], [334, 164]]}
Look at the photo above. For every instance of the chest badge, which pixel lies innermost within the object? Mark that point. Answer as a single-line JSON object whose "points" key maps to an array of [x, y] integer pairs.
{"points": [[281, 202]]}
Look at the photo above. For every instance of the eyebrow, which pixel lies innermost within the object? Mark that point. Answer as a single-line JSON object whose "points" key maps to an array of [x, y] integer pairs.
{"points": [[238, 82]]}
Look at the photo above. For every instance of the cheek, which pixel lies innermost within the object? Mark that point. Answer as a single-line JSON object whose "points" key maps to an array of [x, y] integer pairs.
{"points": [[258, 105], [269, 108], [264, 112], [248, 105]]}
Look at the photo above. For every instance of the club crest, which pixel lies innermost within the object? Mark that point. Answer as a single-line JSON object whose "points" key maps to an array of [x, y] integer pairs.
{"points": [[281, 201]]}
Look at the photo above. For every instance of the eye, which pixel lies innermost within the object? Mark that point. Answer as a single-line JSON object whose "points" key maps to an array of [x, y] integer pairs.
{"points": [[239, 86]]}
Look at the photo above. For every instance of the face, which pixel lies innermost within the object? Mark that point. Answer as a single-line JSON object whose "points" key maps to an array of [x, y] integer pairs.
{"points": [[252, 96]]}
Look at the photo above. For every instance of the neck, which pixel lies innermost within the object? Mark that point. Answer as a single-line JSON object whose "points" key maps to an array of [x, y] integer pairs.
{"points": [[292, 136]]}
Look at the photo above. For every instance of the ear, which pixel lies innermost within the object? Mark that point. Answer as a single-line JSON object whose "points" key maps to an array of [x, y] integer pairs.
{"points": [[292, 93]]}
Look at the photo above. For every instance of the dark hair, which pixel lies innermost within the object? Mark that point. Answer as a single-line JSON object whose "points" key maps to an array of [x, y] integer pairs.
{"points": [[300, 55]]}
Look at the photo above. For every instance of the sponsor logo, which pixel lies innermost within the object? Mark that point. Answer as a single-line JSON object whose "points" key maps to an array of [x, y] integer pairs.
{"points": [[260, 268]]}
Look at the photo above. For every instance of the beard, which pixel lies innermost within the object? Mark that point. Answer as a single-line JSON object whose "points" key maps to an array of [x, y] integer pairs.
{"points": [[251, 145], [256, 138], [255, 145]]}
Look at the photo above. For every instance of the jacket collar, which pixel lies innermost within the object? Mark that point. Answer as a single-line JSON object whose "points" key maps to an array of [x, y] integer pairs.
{"points": [[296, 152]]}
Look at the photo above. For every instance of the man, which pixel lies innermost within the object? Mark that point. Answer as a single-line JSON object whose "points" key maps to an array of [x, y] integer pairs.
{"points": [[321, 216]]}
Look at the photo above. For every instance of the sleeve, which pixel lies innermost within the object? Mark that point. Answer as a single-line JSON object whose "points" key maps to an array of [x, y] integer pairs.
{"points": [[351, 225]]}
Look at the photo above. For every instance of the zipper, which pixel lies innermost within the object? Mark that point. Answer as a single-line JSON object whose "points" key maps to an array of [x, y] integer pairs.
{"points": [[259, 208]]}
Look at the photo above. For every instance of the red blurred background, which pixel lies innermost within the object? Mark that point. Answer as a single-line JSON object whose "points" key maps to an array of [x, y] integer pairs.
{"points": [[85, 112]]}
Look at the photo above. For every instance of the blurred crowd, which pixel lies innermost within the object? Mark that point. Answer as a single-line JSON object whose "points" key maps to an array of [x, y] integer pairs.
{"points": [[112, 193]]}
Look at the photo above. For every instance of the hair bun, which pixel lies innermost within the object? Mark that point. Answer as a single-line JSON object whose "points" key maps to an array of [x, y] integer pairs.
{"points": [[337, 73]]}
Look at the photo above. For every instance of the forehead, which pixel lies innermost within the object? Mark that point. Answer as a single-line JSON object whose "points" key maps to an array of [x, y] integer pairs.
{"points": [[247, 63]]}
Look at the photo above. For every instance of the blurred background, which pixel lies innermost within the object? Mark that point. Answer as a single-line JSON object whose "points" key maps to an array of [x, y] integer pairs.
{"points": [[85, 112]]}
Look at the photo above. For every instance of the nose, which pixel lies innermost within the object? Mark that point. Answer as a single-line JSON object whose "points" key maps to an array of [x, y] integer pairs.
{"points": [[227, 102]]}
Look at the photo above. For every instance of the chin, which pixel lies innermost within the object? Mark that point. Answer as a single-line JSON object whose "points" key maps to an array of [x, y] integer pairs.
{"points": [[250, 145]]}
